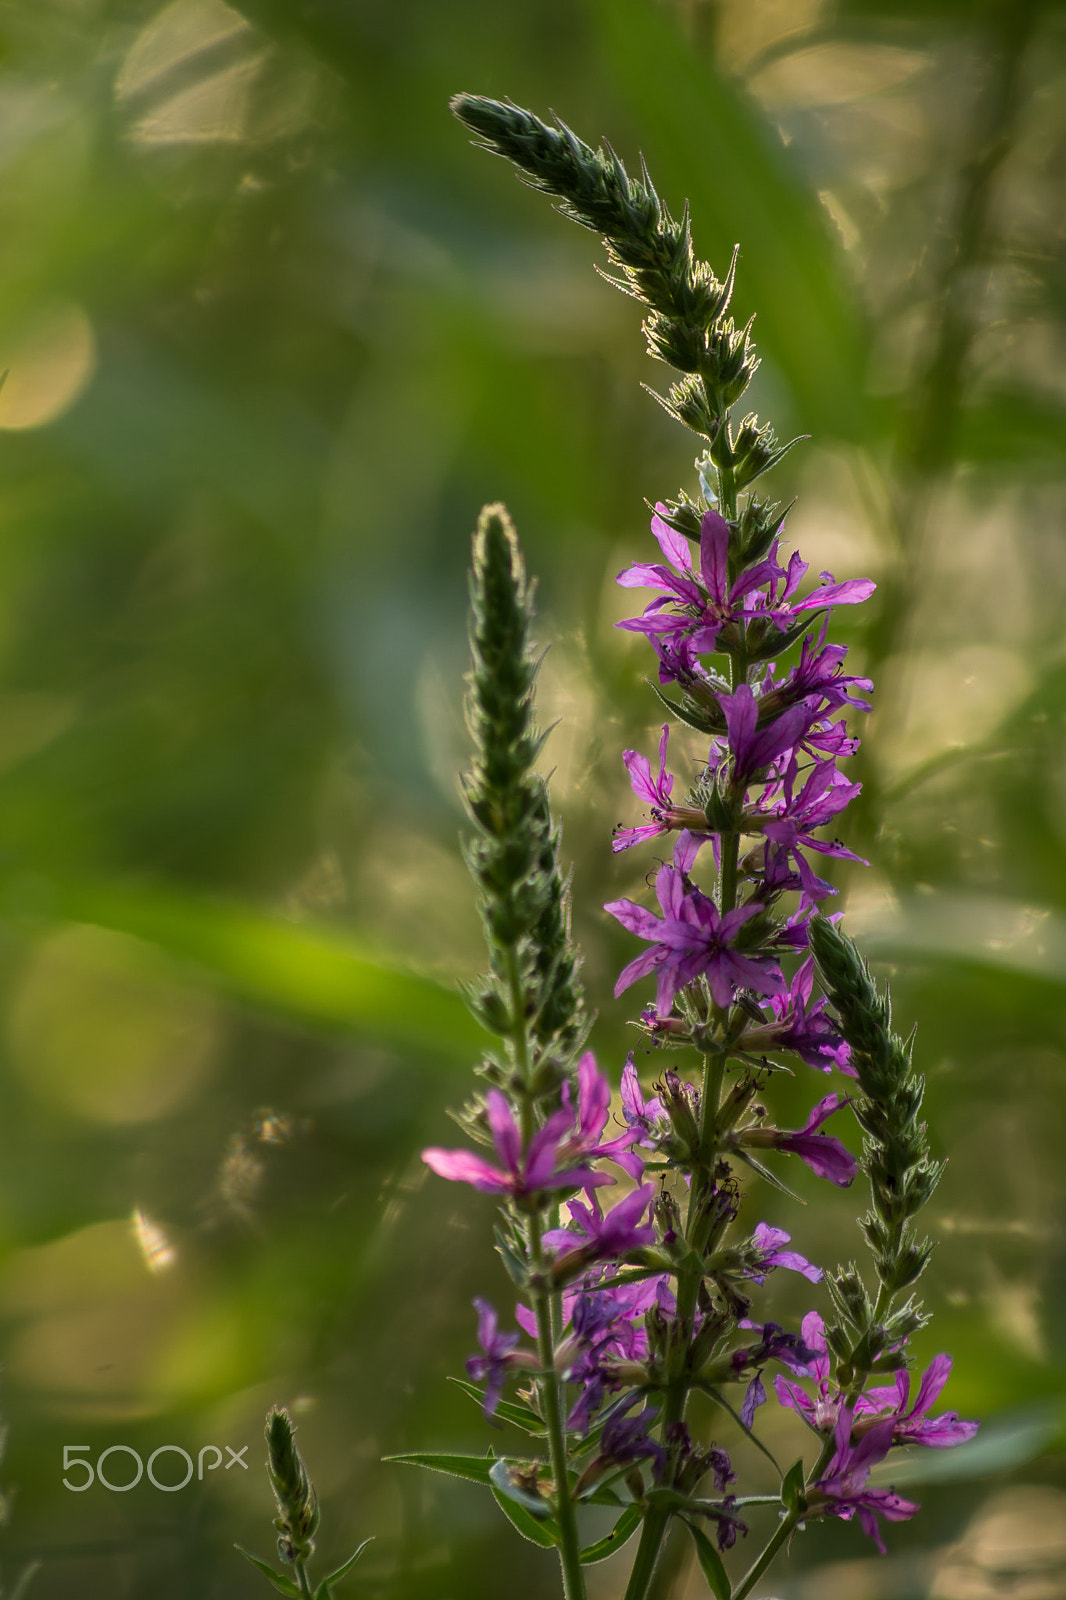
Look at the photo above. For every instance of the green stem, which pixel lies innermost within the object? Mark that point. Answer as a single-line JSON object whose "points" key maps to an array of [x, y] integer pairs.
{"points": [[303, 1581], [548, 1384], [569, 1541]]}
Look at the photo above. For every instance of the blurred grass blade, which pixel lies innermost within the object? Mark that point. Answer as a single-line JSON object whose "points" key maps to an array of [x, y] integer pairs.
{"points": [[316, 975]]}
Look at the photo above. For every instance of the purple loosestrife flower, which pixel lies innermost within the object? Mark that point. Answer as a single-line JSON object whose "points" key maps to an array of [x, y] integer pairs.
{"points": [[625, 1439], [592, 1236], [784, 581], [501, 1356], [648, 1117], [767, 1244], [657, 792], [546, 1164], [692, 939], [821, 1412], [877, 1406], [695, 608], [913, 1426], [788, 819], [801, 1027], [842, 1492], [824, 1155], [754, 748], [606, 1337], [818, 672], [590, 1119]]}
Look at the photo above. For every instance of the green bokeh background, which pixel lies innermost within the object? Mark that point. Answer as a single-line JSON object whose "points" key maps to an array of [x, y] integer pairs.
{"points": [[274, 332]]}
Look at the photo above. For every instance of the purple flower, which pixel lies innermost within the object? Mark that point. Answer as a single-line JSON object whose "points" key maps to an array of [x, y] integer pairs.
{"points": [[767, 1244], [781, 607], [696, 607], [603, 1329], [648, 1117], [818, 672], [499, 1359], [657, 792], [558, 1152], [774, 1345], [801, 1027], [590, 1119], [913, 1426], [824, 1155], [754, 1397], [842, 1492], [692, 939], [788, 819], [625, 1439], [595, 1237], [877, 1406], [755, 748], [821, 1412]]}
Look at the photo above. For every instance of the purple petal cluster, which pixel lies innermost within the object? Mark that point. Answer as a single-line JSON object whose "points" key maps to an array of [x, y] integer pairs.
{"points": [[559, 1154], [771, 774], [864, 1431]]}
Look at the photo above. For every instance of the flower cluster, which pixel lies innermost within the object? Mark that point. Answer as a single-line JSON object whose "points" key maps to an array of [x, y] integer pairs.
{"points": [[636, 1263]]}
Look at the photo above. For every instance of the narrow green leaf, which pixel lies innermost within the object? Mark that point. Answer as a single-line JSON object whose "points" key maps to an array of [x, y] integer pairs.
{"points": [[501, 1480], [623, 1529], [475, 1469], [792, 1485], [710, 1563], [321, 1593], [542, 1531], [281, 1583], [768, 1177], [521, 1416]]}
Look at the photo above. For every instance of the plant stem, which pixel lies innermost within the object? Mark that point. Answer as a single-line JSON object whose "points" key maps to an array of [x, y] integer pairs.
{"points": [[548, 1384], [569, 1541]]}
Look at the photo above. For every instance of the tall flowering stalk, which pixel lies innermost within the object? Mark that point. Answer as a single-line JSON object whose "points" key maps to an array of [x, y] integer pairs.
{"points": [[636, 1252]]}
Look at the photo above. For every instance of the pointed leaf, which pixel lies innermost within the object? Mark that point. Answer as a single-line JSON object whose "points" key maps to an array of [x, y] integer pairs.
{"points": [[710, 1564], [792, 1486], [475, 1469], [541, 1531], [623, 1529], [519, 1416], [764, 1172], [322, 1592], [516, 1267], [278, 1579]]}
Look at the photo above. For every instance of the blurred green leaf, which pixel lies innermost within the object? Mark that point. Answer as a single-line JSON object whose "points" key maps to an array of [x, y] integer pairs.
{"points": [[338, 1573], [313, 974], [710, 1563], [1003, 1443], [283, 1584]]}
